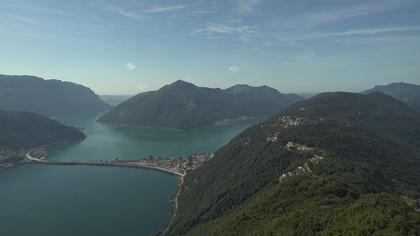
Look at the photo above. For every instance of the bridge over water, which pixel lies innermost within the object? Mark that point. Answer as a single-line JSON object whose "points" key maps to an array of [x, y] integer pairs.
{"points": [[112, 163]]}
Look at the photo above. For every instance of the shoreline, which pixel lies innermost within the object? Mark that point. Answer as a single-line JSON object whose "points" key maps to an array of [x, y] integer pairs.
{"points": [[28, 159], [174, 204], [215, 124], [179, 176]]}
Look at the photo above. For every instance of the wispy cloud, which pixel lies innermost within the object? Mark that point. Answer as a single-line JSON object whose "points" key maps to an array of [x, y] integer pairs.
{"points": [[48, 22], [246, 6], [130, 66], [206, 7], [122, 12], [369, 31], [140, 10], [157, 9], [202, 12], [234, 68], [327, 15], [315, 22], [224, 29], [352, 33], [16, 19]]}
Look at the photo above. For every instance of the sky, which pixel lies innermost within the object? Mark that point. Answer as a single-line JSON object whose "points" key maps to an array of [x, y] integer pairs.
{"points": [[131, 46]]}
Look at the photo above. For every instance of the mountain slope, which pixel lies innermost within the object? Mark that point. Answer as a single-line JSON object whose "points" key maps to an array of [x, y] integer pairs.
{"points": [[292, 209], [114, 100], [26, 130], [345, 156], [263, 93], [184, 105], [48, 97], [407, 93]]}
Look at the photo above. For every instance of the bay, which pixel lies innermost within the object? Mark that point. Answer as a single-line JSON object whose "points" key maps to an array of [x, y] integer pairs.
{"points": [[87, 200]]}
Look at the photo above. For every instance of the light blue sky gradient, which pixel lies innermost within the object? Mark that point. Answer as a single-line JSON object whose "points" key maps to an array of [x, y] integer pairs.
{"points": [[126, 47]]}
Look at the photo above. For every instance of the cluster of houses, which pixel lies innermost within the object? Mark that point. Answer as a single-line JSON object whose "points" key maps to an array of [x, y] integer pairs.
{"points": [[180, 164], [302, 148], [10, 158], [291, 146], [288, 121], [285, 122], [299, 147], [305, 169], [7, 153], [192, 162], [315, 159], [272, 138], [39, 153], [298, 171]]}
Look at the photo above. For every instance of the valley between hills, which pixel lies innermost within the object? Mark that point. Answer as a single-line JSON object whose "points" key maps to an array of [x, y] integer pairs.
{"points": [[337, 162], [210, 118]]}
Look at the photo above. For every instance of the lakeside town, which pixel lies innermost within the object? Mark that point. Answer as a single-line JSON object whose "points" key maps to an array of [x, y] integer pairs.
{"points": [[183, 164], [10, 158], [178, 166]]}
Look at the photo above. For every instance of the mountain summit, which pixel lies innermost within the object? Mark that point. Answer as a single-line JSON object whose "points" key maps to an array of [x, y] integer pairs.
{"points": [[48, 97], [185, 105], [179, 84], [407, 93]]}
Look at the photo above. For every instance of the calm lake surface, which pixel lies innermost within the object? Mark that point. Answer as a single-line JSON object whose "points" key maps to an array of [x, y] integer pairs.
{"points": [[81, 200]]}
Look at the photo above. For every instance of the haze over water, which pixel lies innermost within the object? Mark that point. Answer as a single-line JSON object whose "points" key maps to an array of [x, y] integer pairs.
{"points": [[80, 200], [108, 142]]}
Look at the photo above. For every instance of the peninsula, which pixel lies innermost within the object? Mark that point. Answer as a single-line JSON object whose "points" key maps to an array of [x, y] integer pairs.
{"points": [[22, 131]]}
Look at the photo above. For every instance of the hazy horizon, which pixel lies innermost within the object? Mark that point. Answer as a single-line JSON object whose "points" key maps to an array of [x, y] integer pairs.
{"points": [[91, 145], [128, 47], [302, 94]]}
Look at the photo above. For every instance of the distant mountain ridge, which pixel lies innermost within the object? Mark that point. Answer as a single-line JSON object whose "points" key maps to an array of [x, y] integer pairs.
{"points": [[26, 130], [114, 100], [335, 164], [262, 93], [405, 92], [48, 97], [185, 105]]}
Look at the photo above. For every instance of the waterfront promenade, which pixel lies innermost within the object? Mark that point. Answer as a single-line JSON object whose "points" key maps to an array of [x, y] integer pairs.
{"points": [[116, 163]]}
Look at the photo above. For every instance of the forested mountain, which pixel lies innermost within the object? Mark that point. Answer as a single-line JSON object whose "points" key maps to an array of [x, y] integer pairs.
{"points": [[338, 163], [184, 105], [25, 130], [407, 93], [48, 97], [262, 94]]}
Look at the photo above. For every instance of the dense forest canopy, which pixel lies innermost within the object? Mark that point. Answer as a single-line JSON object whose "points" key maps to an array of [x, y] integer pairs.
{"points": [[27, 130], [338, 162], [48, 97], [184, 105]]}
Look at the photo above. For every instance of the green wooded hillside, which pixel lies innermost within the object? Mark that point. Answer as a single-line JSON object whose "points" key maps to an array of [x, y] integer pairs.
{"points": [[369, 167], [184, 105], [26, 130], [48, 97], [407, 93]]}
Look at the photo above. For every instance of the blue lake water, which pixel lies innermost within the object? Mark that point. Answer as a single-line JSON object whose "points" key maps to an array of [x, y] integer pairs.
{"points": [[88, 200]]}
